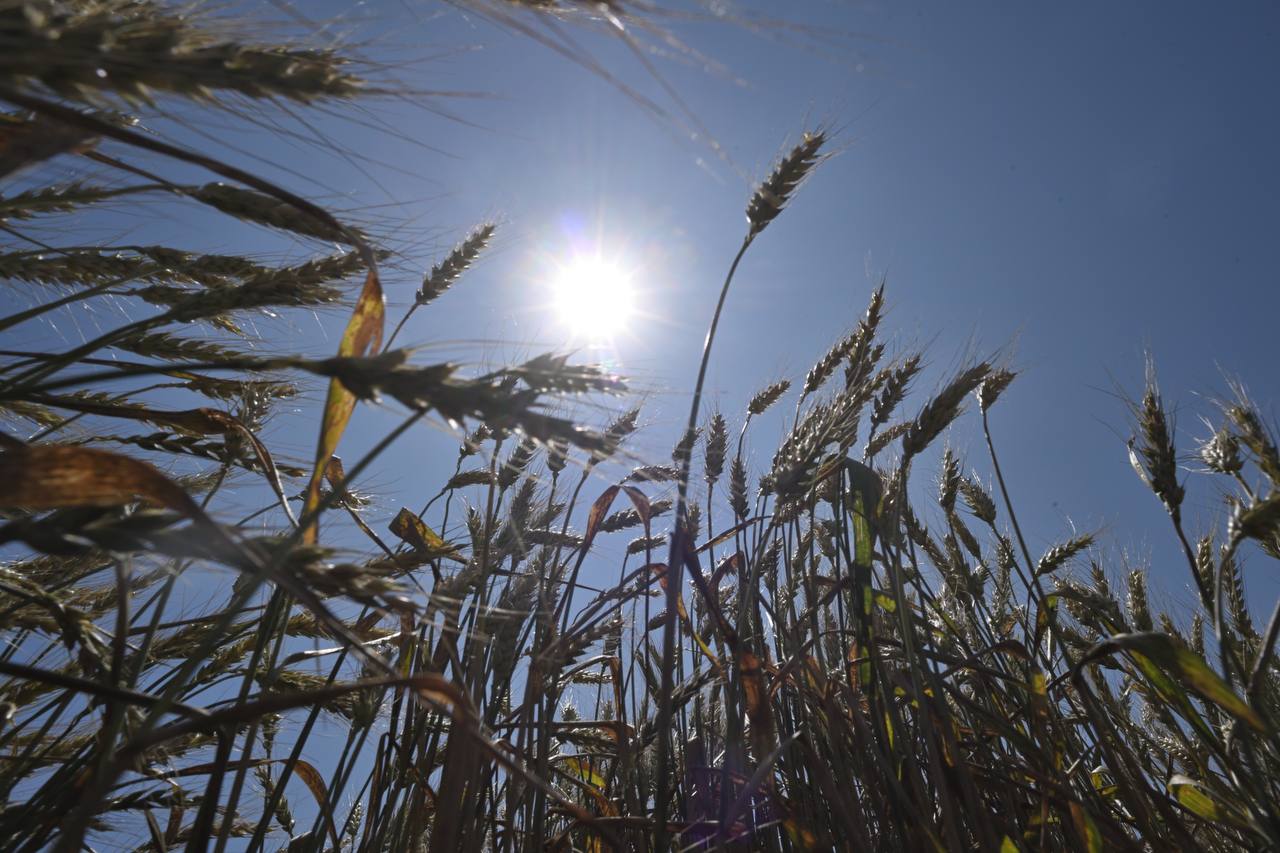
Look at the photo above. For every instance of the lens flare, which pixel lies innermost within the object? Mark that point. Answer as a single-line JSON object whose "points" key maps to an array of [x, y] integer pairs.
{"points": [[593, 297]]}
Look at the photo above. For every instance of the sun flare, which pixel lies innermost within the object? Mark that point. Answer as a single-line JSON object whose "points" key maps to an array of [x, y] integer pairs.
{"points": [[593, 297]]}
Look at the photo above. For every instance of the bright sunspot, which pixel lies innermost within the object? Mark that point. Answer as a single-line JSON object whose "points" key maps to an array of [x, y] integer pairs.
{"points": [[593, 297]]}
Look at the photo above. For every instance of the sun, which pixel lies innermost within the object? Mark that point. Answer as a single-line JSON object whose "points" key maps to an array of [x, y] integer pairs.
{"points": [[593, 297]]}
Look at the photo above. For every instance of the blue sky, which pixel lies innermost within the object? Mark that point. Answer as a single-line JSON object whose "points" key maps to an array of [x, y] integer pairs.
{"points": [[1065, 186]]}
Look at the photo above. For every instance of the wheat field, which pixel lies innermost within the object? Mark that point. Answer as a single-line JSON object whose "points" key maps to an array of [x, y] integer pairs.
{"points": [[793, 658]]}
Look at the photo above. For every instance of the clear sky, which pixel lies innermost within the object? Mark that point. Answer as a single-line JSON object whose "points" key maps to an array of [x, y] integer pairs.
{"points": [[1066, 185]]}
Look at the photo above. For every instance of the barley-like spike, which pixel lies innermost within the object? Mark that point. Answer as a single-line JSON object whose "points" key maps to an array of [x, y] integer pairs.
{"points": [[253, 408], [1098, 577], [262, 209], [862, 361], [1197, 634], [684, 447], [615, 433], [59, 198], [283, 814], [1136, 604], [557, 456], [1156, 450], [653, 474], [922, 538], [472, 443], [163, 345], [875, 311], [865, 353], [693, 520], [882, 439], [1258, 520], [772, 195], [643, 543], [821, 372], [233, 389], [1221, 453], [767, 396], [1237, 603], [1204, 566], [769, 562], [164, 442], [965, 535], [132, 49], [352, 824], [1005, 558], [1058, 555], [625, 518], [948, 480], [798, 565], [1256, 437], [291, 286], [893, 390], [1092, 608], [495, 399], [516, 463], [993, 386], [521, 507], [212, 270], [942, 409], [715, 447], [280, 291], [293, 680], [552, 374], [444, 274], [80, 267], [738, 489], [313, 273], [37, 414], [553, 538], [978, 500], [764, 485], [548, 514]]}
